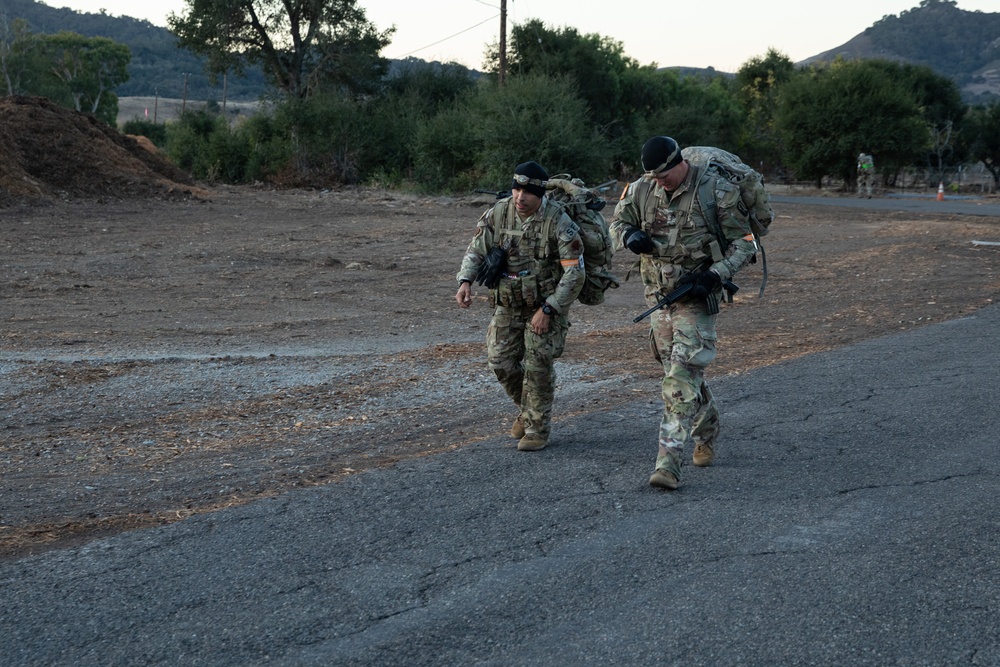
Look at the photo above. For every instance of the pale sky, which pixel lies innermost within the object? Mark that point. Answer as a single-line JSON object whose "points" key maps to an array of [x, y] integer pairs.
{"points": [[722, 34]]}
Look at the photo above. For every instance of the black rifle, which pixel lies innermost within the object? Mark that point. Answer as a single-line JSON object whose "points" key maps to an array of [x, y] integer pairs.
{"points": [[679, 293], [499, 194]]}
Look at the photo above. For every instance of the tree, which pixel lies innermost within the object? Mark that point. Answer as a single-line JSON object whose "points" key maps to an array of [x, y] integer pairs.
{"points": [[75, 71], [941, 107], [695, 112], [538, 118], [828, 115], [429, 86], [16, 45], [981, 132], [606, 79], [758, 83], [304, 46], [89, 69]]}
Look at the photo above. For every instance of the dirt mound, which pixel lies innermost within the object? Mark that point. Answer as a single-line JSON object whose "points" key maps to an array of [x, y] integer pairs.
{"points": [[47, 151]]}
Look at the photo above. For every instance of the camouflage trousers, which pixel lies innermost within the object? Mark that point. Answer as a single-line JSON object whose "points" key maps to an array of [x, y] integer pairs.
{"points": [[524, 362], [683, 338], [866, 183]]}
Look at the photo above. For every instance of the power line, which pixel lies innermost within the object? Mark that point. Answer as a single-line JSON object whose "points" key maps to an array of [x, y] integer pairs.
{"points": [[449, 37]]}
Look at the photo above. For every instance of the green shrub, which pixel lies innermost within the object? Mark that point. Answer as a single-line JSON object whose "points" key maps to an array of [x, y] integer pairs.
{"points": [[537, 118], [202, 143], [268, 148], [445, 148], [155, 132]]}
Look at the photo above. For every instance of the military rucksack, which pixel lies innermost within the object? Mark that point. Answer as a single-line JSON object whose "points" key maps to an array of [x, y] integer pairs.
{"points": [[749, 181], [754, 197], [584, 206]]}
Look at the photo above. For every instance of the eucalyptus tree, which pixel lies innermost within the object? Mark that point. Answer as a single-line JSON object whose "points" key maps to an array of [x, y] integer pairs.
{"points": [[16, 45], [87, 69]]}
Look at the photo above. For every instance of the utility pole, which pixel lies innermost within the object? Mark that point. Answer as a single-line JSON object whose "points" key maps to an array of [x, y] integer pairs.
{"points": [[502, 77], [184, 102]]}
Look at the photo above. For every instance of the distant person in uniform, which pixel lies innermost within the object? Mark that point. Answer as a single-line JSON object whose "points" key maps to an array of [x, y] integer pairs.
{"points": [[866, 175]]}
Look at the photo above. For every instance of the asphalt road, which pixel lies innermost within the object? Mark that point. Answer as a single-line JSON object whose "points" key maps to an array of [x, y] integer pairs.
{"points": [[851, 519], [913, 203]]}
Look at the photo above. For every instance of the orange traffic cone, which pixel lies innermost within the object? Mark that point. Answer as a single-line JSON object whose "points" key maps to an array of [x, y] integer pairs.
{"points": [[940, 196]]}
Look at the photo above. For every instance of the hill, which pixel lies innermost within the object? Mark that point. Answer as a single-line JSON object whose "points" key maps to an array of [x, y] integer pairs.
{"points": [[959, 44], [158, 66]]}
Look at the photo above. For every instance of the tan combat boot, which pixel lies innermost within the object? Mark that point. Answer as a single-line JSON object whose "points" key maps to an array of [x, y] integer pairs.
{"points": [[668, 471], [532, 442], [664, 479], [703, 454], [517, 428]]}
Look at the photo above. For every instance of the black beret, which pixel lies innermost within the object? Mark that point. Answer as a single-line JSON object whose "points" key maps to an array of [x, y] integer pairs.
{"points": [[660, 154]]}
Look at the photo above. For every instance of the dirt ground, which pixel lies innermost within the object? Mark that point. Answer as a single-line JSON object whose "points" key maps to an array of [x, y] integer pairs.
{"points": [[179, 349]]}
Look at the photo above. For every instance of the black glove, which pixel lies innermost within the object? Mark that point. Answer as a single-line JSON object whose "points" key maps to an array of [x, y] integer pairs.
{"points": [[705, 283], [493, 267], [638, 241]]}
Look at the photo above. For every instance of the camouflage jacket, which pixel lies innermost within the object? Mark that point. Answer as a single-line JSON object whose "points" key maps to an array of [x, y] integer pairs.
{"points": [[544, 254], [677, 223]]}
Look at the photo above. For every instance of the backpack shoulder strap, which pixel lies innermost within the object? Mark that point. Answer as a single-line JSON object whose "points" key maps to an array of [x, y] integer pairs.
{"points": [[503, 221], [706, 197], [549, 230], [642, 195]]}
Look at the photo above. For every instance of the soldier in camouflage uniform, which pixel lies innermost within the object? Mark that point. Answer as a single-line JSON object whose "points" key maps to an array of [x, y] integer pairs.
{"points": [[866, 174], [661, 218], [542, 275]]}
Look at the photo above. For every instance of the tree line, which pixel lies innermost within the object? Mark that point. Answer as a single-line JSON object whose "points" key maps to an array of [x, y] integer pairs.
{"points": [[573, 102], [78, 72], [157, 67]]}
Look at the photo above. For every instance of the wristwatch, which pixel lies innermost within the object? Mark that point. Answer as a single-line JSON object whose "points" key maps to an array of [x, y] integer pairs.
{"points": [[548, 310]]}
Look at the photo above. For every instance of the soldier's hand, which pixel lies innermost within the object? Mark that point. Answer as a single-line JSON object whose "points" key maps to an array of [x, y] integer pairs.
{"points": [[493, 266], [638, 241], [464, 295], [705, 282], [540, 322]]}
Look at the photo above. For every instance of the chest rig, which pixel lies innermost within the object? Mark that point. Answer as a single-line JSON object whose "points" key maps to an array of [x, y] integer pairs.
{"points": [[533, 268], [685, 236]]}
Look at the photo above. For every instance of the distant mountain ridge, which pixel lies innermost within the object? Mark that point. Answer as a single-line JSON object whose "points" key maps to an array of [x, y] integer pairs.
{"points": [[959, 44]]}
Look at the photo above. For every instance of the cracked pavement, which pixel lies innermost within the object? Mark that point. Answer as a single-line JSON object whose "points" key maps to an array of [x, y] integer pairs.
{"points": [[202, 366], [851, 518]]}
